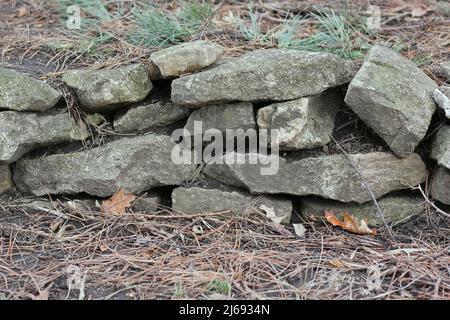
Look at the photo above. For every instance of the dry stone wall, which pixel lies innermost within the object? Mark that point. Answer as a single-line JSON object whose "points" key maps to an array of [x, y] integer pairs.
{"points": [[294, 95]]}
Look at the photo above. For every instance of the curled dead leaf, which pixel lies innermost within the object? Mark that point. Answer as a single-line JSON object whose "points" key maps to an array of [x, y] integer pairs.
{"points": [[350, 223], [331, 218], [118, 203], [22, 12], [336, 263]]}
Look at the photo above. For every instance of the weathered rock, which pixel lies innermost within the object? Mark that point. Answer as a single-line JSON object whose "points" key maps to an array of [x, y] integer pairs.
{"points": [[149, 202], [442, 100], [443, 7], [303, 123], [445, 90], [21, 93], [107, 90], [145, 116], [202, 200], [187, 57], [327, 176], [134, 164], [5, 178], [152, 70], [22, 132], [394, 97], [272, 74], [443, 69], [395, 208], [440, 185], [440, 149], [222, 117]]}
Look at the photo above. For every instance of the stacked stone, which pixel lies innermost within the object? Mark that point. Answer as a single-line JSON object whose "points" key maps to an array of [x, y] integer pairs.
{"points": [[298, 93]]}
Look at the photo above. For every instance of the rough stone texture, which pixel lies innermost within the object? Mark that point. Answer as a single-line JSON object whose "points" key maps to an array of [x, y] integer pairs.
{"points": [[327, 176], [440, 185], [271, 74], [187, 57], [152, 70], [107, 90], [134, 164], [222, 117], [443, 69], [440, 149], [142, 117], [149, 202], [5, 178], [22, 132], [442, 99], [303, 123], [445, 90], [21, 93], [201, 200], [395, 208], [394, 97], [443, 7]]}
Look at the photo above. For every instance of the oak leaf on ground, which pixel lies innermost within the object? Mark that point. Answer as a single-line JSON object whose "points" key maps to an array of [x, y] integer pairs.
{"points": [[118, 203], [350, 223]]}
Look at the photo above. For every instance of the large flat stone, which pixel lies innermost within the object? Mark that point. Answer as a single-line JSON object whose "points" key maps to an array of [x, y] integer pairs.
{"points": [[22, 132], [264, 75], [327, 176], [440, 185], [5, 178], [145, 116], [22, 93], [107, 90], [222, 117], [202, 200], [394, 97], [303, 123], [187, 57], [395, 208], [440, 149], [134, 164]]}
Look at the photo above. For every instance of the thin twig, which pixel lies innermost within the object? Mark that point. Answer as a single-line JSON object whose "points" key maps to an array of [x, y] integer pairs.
{"points": [[431, 203]]}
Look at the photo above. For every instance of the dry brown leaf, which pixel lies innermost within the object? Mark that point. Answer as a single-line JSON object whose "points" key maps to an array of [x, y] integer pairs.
{"points": [[118, 203], [336, 263], [331, 218], [22, 12], [350, 223], [419, 11], [103, 247]]}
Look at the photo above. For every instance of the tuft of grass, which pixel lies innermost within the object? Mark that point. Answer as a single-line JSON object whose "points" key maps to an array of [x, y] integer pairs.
{"points": [[342, 34], [96, 24], [422, 59], [155, 28], [336, 35], [251, 31], [179, 292], [286, 34], [219, 286], [139, 23], [195, 15]]}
